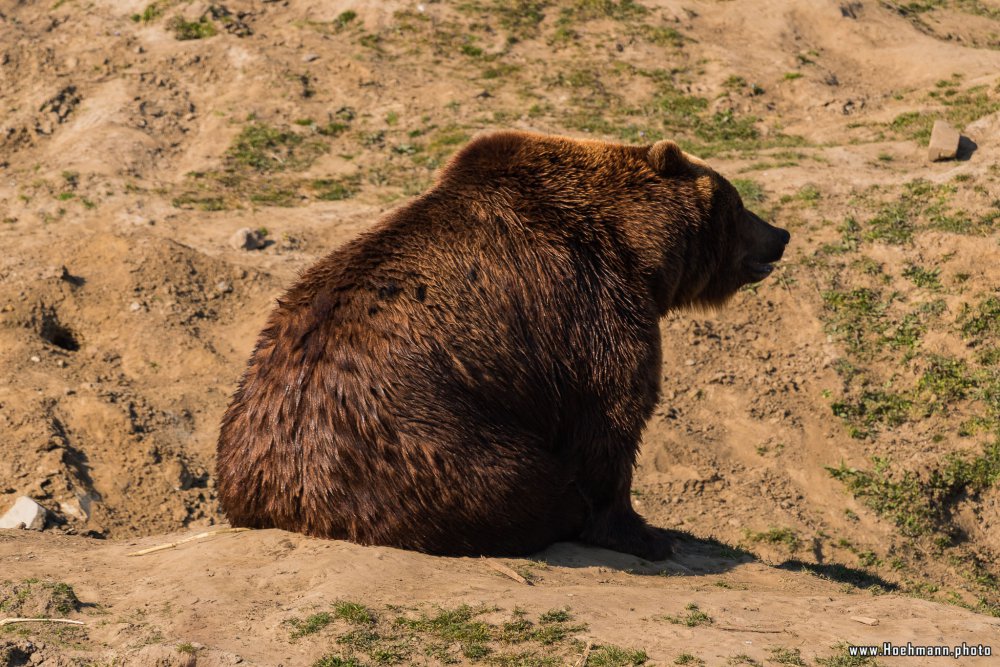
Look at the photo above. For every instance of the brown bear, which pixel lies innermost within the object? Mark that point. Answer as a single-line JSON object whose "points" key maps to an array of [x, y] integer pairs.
{"points": [[472, 376]]}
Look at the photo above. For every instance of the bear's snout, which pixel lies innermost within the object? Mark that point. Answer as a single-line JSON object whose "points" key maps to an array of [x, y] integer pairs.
{"points": [[777, 239], [767, 246]]}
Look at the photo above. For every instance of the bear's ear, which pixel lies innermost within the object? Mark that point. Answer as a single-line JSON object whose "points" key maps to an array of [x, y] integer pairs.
{"points": [[666, 158]]}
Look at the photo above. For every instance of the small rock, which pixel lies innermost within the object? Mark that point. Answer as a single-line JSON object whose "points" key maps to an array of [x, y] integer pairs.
{"points": [[310, 57], [246, 239], [865, 620], [944, 142], [81, 506], [135, 306], [224, 287], [25, 512]]}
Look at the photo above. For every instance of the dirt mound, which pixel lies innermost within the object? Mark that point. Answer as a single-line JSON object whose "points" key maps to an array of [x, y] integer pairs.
{"points": [[268, 597]]}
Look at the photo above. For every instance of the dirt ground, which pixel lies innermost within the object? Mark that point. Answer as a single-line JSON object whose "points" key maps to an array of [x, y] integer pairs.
{"points": [[827, 446]]}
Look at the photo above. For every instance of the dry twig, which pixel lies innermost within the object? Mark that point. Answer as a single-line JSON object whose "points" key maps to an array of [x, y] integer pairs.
{"points": [[506, 571], [199, 536], [9, 621]]}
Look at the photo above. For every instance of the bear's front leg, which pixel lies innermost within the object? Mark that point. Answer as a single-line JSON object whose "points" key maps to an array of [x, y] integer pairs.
{"points": [[620, 528], [614, 524]]}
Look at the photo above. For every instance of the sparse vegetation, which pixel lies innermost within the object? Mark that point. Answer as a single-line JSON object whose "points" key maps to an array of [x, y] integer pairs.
{"points": [[843, 658], [310, 625], [393, 636], [750, 191], [786, 656], [34, 597], [694, 617], [185, 30], [921, 505], [614, 656], [264, 148], [785, 537]]}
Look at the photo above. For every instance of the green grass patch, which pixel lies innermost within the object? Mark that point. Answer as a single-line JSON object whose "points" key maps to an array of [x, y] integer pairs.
{"points": [[920, 504], [960, 107], [751, 192], [920, 204], [873, 408], [189, 30], [310, 625], [808, 194], [855, 316], [693, 618], [520, 18], [618, 10], [785, 537], [354, 612], [152, 12], [661, 35], [608, 655], [36, 598], [337, 661], [335, 189], [982, 321], [921, 277], [946, 380], [264, 148]]}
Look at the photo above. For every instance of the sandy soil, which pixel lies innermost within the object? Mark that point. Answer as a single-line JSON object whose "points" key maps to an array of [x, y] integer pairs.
{"points": [[126, 316]]}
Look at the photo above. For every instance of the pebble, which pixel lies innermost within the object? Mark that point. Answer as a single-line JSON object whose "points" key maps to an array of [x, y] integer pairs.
{"points": [[310, 57], [246, 239], [35, 358], [25, 512]]}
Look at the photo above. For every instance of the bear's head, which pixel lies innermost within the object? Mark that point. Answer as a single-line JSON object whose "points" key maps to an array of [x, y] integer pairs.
{"points": [[723, 245]]}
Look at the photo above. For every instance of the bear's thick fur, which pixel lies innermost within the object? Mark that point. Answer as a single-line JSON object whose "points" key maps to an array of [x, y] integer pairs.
{"points": [[472, 376]]}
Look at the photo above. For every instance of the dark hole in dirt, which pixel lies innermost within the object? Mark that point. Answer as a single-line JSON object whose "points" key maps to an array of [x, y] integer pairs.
{"points": [[59, 335]]}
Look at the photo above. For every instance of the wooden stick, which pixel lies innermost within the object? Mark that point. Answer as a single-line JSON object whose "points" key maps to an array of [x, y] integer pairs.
{"points": [[766, 631], [506, 571], [585, 656], [8, 621], [199, 536]]}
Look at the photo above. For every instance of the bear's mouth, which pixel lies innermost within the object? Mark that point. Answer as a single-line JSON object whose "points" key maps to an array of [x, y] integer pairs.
{"points": [[759, 270]]}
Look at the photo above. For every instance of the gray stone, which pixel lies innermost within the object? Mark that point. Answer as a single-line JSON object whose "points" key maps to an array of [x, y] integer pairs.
{"points": [[25, 512], [944, 142], [246, 239]]}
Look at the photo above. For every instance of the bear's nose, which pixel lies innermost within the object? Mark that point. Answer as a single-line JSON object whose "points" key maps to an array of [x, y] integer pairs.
{"points": [[783, 236]]}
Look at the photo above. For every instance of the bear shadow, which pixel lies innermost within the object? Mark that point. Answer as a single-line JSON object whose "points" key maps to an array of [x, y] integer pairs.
{"points": [[693, 556], [697, 556]]}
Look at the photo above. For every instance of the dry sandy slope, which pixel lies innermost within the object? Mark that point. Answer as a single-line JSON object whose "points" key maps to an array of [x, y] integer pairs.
{"points": [[233, 593], [114, 372]]}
